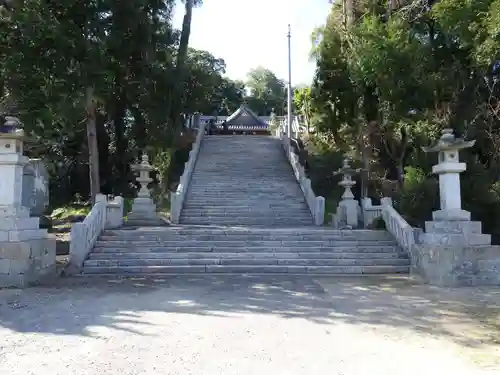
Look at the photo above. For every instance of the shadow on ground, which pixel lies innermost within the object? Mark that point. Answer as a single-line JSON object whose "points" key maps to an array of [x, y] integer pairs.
{"points": [[468, 316]]}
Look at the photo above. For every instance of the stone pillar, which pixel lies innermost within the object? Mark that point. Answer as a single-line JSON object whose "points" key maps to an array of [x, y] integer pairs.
{"points": [[348, 208], [451, 224], [143, 208], [27, 253]]}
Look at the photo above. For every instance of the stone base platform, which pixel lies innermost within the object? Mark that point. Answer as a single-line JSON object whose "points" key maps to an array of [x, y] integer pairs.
{"points": [[144, 214], [23, 263], [457, 266]]}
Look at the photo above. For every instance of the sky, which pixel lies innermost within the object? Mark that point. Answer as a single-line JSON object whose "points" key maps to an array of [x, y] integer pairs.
{"points": [[249, 33]]}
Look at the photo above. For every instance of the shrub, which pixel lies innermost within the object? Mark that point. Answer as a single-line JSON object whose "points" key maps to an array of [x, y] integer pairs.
{"points": [[418, 197]]}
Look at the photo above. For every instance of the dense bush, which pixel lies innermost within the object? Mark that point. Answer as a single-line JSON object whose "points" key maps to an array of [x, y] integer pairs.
{"points": [[418, 196]]}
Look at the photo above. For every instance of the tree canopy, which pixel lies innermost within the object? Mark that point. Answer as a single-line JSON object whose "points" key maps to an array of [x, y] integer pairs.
{"points": [[388, 79], [97, 82]]}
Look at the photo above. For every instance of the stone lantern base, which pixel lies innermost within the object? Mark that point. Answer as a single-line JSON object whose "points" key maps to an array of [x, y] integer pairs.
{"points": [[144, 213], [456, 253], [454, 233], [27, 253]]}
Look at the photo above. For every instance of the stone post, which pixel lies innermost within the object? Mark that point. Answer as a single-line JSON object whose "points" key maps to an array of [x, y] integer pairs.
{"points": [[27, 253], [348, 206], [451, 224], [143, 208], [453, 251]]}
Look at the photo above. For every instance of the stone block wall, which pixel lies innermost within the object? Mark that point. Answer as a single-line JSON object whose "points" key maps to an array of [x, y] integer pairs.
{"points": [[27, 254], [457, 265]]}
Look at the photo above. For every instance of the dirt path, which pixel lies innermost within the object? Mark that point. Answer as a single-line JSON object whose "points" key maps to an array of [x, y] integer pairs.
{"points": [[239, 325]]}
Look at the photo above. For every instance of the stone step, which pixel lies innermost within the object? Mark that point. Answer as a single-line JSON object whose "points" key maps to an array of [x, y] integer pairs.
{"points": [[214, 189], [246, 262], [242, 200], [243, 235], [239, 243], [278, 223], [237, 206], [236, 221], [242, 238], [248, 255], [258, 215], [224, 175], [144, 223], [141, 247], [250, 194], [246, 269]]}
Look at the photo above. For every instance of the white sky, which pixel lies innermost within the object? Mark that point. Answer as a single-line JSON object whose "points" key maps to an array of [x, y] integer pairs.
{"points": [[249, 33]]}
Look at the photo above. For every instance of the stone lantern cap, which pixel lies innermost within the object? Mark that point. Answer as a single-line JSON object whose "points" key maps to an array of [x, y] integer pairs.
{"points": [[143, 165], [11, 127], [448, 142], [347, 170]]}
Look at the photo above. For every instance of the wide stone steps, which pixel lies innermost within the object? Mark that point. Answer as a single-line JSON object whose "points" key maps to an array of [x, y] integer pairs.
{"points": [[184, 249], [245, 269], [244, 213], [248, 172], [216, 244], [240, 220], [204, 233], [245, 262], [257, 214], [168, 248], [243, 256]]}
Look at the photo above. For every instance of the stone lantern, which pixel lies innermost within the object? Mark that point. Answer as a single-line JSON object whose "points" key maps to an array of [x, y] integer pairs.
{"points": [[448, 169], [348, 208], [143, 208], [451, 224], [143, 168], [11, 168], [28, 253]]}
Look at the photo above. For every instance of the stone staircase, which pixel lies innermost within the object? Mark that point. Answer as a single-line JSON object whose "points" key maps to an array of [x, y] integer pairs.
{"points": [[244, 180], [244, 213], [187, 249]]}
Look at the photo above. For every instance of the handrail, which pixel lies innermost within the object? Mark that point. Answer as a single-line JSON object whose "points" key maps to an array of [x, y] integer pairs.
{"points": [[177, 197], [84, 235], [316, 204], [403, 232], [369, 212]]}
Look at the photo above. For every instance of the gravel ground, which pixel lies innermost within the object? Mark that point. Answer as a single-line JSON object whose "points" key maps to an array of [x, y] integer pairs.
{"points": [[244, 325]]}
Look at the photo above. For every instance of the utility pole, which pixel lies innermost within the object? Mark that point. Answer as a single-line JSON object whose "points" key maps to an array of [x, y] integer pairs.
{"points": [[289, 104]]}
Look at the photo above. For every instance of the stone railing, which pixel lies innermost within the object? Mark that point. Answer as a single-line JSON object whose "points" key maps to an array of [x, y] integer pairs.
{"points": [[405, 235], [316, 204], [177, 197], [104, 214], [370, 212]]}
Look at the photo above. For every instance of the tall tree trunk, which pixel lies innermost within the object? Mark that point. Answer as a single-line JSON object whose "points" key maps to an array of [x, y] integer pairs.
{"points": [[122, 143], [349, 17], [175, 97], [92, 144]]}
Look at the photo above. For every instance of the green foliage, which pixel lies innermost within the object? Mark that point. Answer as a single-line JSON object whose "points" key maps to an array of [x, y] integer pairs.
{"points": [[418, 196], [378, 224], [267, 92], [387, 83], [322, 161]]}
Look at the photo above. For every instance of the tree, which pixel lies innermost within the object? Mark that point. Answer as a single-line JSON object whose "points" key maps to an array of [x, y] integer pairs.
{"points": [[267, 92], [302, 100], [107, 64], [389, 80]]}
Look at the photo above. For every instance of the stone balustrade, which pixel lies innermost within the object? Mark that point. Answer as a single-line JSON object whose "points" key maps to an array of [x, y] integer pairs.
{"points": [[177, 197], [105, 214], [369, 212], [405, 235], [315, 203]]}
